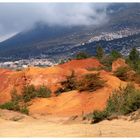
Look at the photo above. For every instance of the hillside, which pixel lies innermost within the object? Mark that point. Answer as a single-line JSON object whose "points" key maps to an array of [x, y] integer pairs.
{"points": [[71, 103], [58, 42], [67, 111]]}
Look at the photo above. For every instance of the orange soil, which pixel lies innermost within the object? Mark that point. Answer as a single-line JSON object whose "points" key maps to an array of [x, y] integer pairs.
{"points": [[84, 64], [75, 103], [70, 103]]}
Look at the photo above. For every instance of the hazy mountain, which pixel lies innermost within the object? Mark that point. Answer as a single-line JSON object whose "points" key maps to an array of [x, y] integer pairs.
{"points": [[120, 32]]}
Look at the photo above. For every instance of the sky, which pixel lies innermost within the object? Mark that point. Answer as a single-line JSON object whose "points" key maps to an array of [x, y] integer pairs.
{"points": [[17, 17]]}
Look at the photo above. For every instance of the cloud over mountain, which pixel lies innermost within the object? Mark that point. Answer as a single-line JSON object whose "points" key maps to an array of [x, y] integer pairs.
{"points": [[15, 17]]}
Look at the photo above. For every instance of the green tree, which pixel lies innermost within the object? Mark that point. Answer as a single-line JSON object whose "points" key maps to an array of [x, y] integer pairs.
{"points": [[115, 54], [134, 55], [134, 59], [82, 55], [99, 52]]}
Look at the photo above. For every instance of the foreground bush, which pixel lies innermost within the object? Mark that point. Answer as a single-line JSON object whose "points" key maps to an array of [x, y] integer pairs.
{"points": [[122, 102], [90, 82], [18, 103], [14, 104]]}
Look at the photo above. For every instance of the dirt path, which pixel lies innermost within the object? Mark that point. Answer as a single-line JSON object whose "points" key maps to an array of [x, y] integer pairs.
{"points": [[44, 128]]}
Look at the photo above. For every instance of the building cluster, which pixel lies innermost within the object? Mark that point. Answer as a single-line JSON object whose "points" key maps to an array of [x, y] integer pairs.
{"points": [[25, 63], [114, 35]]}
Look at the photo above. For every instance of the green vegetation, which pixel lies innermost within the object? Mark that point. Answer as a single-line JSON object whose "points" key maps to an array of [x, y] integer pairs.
{"points": [[82, 55], [29, 92], [107, 60], [43, 92], [99, 52], [123, 101], [122, 73], [90, 82], [133, 60], [24, 110], [18, 102], [14, 105], [68, 85], [115, 55]]}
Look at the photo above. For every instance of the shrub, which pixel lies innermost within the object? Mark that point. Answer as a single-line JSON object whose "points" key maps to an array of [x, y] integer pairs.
{"points": [[99, 52], [115, 55], [69, 84], [43, 92], [107, 62], [122, 102], [90, 82], [15, 96], [59, 91], [29, 92], [82, 55], [122, 73], [24, 110], [108, 59], [99, 116], [12, 105]]}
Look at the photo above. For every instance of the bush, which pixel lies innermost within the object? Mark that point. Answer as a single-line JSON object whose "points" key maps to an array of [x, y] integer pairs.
{"points": [[29, 92], [122, 102], [99, 116], [24, 110], [99, 52], [115, 55], [90, 82], [69, 84], [43, 92], [107, 60], [15, 96], [122, 73], [59, 91], [82, 55], [18, 103], [12, 105]]}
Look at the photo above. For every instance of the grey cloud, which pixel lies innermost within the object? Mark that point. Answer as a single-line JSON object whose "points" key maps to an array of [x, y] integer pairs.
{"points": [[15, 17]]}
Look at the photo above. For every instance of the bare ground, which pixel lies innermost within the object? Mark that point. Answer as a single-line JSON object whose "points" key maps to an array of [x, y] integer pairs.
{"points": [[24, 126]]}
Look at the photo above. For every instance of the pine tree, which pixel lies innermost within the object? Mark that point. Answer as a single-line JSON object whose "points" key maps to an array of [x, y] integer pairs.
{"points": [[99, 52], [134, 58], [134, 55]]}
